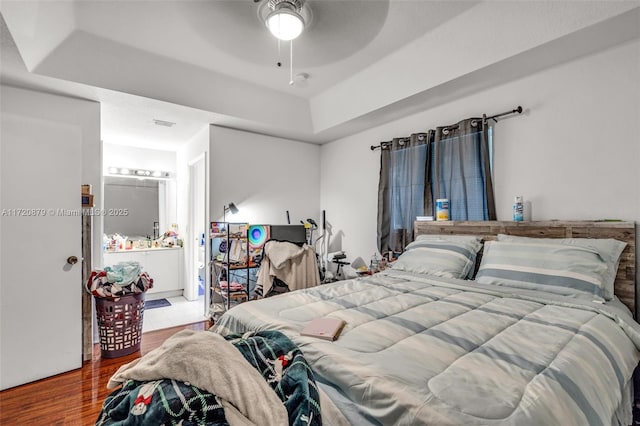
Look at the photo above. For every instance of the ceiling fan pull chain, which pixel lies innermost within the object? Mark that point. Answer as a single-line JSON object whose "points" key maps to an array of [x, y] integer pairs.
{"points": [[291, 63]]}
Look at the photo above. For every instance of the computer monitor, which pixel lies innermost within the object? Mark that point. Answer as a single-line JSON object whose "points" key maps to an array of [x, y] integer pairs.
{"points": [[292, 233]]}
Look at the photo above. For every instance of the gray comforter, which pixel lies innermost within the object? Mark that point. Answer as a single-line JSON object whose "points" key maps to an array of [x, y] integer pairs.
{"points": [[425, 350]]}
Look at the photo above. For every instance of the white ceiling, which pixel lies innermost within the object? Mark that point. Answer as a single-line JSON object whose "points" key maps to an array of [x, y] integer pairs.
{"points": [[125, 119], [196, 62], [228, 37]]}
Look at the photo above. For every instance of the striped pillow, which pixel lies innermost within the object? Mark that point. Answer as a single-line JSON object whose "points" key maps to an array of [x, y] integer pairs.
{"points": [[442, 256], [556, 268], [609, 250]]}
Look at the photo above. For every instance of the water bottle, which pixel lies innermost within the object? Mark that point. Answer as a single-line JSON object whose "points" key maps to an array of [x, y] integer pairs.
{"points": [[373, 266], [382, 263], [518, 209]]}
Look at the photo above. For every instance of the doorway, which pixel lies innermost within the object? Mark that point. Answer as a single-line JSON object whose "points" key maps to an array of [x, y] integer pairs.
{"points": [[197, 218], [192, 305]]}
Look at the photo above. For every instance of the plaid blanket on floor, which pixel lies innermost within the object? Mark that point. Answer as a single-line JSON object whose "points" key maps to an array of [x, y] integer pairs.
{"points": [[171, 402]]}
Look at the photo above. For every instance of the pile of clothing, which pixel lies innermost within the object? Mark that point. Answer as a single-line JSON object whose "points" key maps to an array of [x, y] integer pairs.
{"points": [[286, 266], [201, 377], [119, 280]]}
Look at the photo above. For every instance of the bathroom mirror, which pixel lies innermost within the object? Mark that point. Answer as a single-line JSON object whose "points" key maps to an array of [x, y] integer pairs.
{"points": [[132, 205]]}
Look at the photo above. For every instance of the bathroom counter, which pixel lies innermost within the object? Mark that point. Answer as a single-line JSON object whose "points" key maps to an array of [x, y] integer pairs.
{"points": [[163, 264], [144, 249]]}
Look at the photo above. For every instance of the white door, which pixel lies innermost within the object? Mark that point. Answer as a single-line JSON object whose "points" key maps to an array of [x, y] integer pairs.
{"points": [[197, 231], [40, 293]]}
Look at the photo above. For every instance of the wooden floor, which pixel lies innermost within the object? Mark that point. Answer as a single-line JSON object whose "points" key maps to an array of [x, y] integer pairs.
{"points": [[74, 398]]}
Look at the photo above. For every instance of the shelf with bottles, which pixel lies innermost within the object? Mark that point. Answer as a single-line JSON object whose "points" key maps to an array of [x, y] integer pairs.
{"points": [[227, 229], [230, 277], [229, 243]]}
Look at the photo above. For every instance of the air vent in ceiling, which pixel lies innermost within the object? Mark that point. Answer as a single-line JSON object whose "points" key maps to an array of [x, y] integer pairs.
{"points": [[163, 123]]}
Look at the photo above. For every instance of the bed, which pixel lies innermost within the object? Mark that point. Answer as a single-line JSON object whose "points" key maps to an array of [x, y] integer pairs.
{"points": [[476, 323], [423, 344]]}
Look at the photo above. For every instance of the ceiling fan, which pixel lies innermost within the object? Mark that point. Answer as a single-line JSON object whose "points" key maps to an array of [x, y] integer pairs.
{"points": [[285, 19]]}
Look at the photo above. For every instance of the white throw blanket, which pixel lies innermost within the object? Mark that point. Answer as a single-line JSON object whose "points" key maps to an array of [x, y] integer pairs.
{"points": [[206, 360]]}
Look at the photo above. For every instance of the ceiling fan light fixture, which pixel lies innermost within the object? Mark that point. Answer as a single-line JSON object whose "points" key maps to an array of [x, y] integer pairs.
{"points": [[285, 22]]}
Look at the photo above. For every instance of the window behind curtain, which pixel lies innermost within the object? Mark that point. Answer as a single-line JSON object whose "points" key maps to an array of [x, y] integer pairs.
{"points": [[462, 170], [451, 162], [404, 189], [408, 176], [459, 176]]}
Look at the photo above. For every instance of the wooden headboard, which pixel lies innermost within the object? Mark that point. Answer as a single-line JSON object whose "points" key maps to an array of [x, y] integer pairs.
{"points": [[625, 284]]}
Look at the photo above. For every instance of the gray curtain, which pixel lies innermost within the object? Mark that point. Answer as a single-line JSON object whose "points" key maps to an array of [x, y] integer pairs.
{"points": [[461, 170], [404, 189]]}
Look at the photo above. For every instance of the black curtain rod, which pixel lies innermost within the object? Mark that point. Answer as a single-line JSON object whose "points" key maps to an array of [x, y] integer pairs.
{"points": [[517, 110]]}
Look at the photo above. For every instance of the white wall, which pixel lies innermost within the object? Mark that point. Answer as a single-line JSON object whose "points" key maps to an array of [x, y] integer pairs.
{"points": [[573, 154], [264, 176], [115, 155]]}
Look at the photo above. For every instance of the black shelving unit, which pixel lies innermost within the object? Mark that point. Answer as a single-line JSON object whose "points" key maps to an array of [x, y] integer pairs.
{"points": [[229, 263]]}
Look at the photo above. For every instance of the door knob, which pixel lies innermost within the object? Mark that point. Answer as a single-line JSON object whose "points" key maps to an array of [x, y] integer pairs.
{"points": [[72, 260]]}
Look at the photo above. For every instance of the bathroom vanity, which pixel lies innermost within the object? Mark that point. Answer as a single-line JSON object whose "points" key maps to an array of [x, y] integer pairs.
{"points": [[164, 264]]}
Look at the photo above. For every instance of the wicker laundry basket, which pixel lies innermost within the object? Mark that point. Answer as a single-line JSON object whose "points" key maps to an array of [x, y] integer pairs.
{"points": [[120, 324]]}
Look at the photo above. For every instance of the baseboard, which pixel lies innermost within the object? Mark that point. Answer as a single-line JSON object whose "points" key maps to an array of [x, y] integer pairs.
{"points": [[164, 294]]}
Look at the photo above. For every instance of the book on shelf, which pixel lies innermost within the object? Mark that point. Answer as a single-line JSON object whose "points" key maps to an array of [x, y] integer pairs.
{"points": [[324, 328]]}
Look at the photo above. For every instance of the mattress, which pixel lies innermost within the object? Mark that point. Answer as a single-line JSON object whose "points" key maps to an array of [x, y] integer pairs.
{"points": [[418, 349]]}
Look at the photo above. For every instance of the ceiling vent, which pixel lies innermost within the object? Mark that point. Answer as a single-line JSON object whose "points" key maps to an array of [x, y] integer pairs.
{"points": [[163, 123]]}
